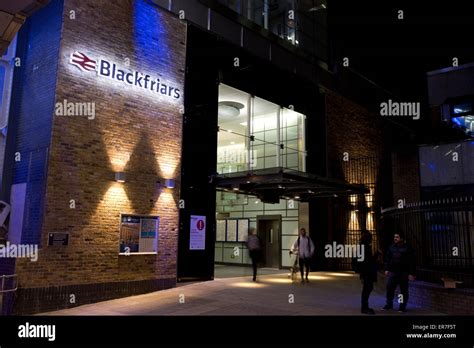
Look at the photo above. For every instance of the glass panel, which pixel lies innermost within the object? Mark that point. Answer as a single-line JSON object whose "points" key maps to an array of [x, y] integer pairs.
{"points": [[253, 10], [466, 123], [462, 108], [292, 160], [236, 149], [270, 162], [232, 151], [271, 135], [292, 131], [2, 83], [292, 146], [290, 228], [258, 153], [270, 149]]}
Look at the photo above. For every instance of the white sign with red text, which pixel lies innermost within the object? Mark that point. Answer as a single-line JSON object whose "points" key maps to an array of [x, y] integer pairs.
{"points": [[197, 240]]}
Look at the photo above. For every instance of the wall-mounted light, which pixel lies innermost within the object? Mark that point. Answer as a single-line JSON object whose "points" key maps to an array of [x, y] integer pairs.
{"points": [[120, 176], [169, 183], [166, 183]]}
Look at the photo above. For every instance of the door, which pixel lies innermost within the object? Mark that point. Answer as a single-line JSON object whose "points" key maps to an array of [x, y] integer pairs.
{"points": [[268, 229]]}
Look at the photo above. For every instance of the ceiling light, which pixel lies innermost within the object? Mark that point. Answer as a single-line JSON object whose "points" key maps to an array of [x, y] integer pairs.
{"points": [[229, 110]]}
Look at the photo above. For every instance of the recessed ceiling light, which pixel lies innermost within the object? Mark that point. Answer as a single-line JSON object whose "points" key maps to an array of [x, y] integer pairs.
{"points": [[228, 110]]}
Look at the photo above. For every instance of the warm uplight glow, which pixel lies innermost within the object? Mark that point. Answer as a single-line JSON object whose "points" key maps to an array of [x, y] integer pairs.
{"points": [[353, 222], [319, 277], [249, 285], [277, 280], [368, 197], [337, 274], [370, 221], [168, 165], [353, 199], [166, 199], [115, 193], [118, 160]]}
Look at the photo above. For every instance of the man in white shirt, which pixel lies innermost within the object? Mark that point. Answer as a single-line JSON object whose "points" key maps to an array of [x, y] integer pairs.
{"points": [[305, 248]]}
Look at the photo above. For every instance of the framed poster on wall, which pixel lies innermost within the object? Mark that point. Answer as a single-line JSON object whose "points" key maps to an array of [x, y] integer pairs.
{"points": [[243, 229], [232, 230], [138, 234], [220, 230]]}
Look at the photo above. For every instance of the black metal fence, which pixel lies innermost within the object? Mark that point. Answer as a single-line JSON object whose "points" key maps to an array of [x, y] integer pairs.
{"points": [[442, 233]]}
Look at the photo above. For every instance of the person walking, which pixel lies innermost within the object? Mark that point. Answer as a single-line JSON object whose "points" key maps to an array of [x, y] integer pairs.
{"points": [[399, 268], [305, 248], [367, 268], [254, 245]]}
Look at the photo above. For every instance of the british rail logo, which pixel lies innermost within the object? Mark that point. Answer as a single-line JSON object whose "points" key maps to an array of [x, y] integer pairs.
{"points": [[111, 70]]}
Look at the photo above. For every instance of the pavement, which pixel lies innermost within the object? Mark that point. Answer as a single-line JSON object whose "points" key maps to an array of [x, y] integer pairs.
{"points": [[274, 293]]}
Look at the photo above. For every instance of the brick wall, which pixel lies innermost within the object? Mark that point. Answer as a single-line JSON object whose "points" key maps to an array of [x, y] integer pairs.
{"points": [[355, 133], [353, 129], [135, 132], [435, 297], [406, 175]]}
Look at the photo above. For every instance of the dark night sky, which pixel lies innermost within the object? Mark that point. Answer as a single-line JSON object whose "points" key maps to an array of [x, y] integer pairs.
{"points": [[397, 53]]}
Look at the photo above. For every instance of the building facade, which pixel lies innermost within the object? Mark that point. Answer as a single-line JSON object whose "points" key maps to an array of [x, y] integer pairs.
{"points": [[145, 138]]}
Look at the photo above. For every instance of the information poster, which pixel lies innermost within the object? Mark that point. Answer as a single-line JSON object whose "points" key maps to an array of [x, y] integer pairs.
{"points": [[139, 234], [220, 230], [197, 240], [231, 230], [243, 230], [148, 235]]}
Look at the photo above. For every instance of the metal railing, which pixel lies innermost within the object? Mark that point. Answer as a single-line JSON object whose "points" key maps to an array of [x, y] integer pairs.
{"points": [[8, 283], [442, 234]]}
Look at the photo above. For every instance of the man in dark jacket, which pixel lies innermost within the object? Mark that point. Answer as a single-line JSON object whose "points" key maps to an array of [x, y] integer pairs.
{"points": [[399, 268], [254, 244], [368, 271]]}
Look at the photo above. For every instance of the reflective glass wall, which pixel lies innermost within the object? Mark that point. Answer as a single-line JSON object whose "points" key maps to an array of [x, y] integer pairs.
{"points": [[302, 23], [255, 134]]}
